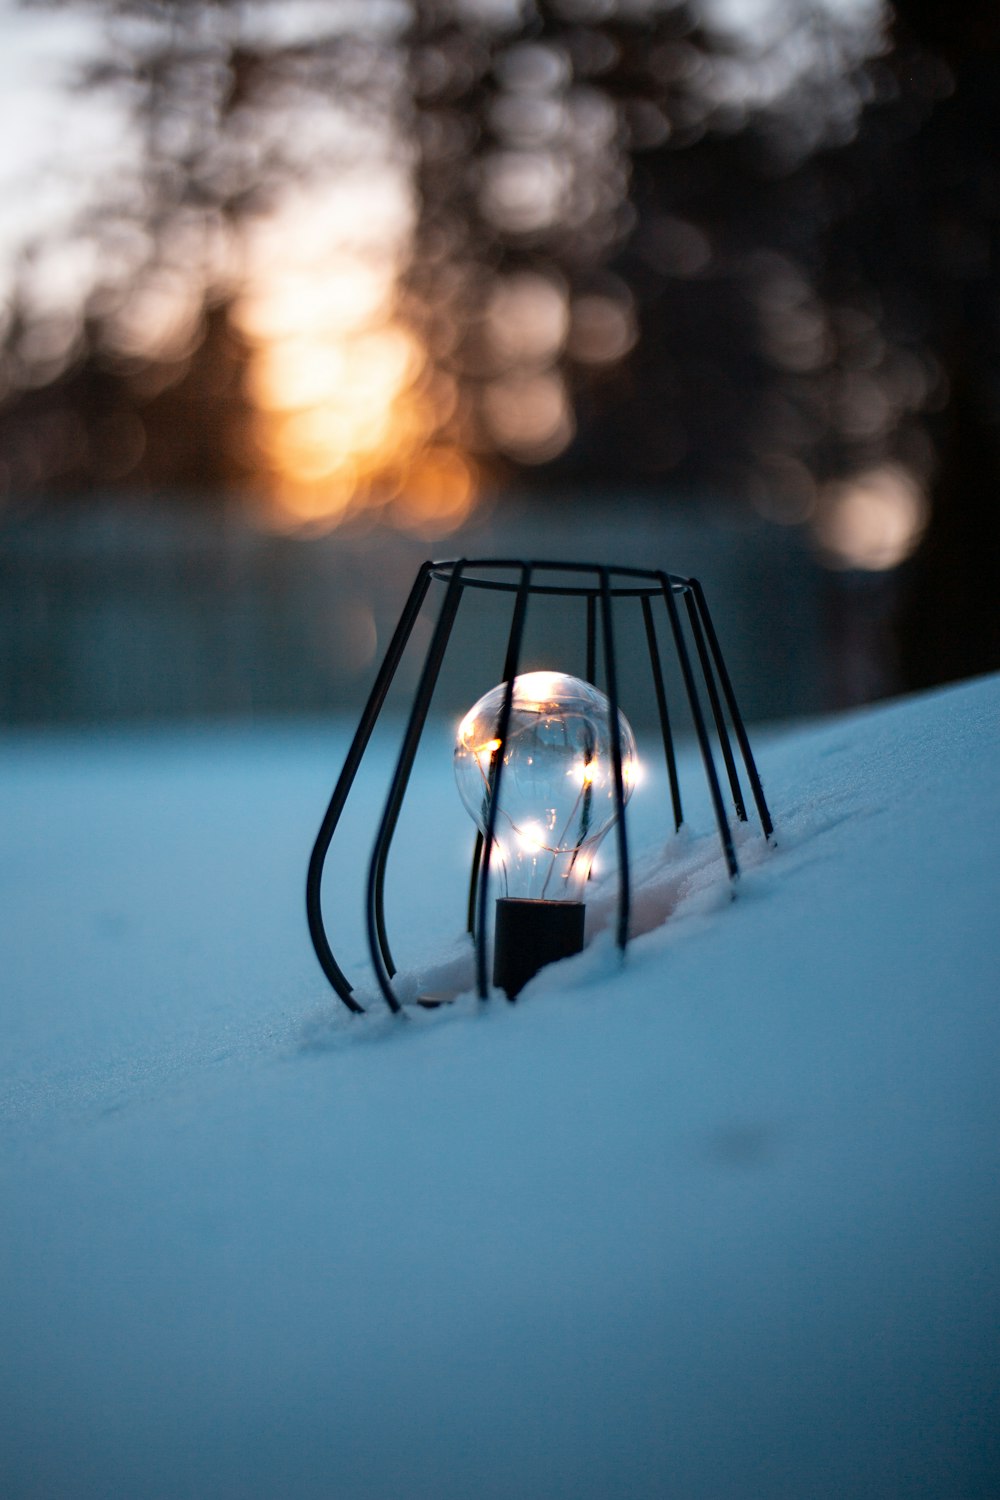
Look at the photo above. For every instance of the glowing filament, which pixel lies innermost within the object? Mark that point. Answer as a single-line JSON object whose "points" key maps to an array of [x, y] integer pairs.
{"points": [[485, 753], [585, 773], [531, 839]]}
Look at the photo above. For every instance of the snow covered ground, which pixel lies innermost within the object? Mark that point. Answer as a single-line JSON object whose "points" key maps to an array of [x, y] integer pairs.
{"points": [[722, 1222]]}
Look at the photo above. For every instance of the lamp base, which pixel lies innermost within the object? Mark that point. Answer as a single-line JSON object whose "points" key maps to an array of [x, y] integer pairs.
{"points": [[531, 934]]}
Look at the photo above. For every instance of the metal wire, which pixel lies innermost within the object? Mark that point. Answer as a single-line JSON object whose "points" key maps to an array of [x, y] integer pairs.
{"points": [[611, 675], [503, 728], [372, 709], [378, 943], [661, 706], [600, 586]]}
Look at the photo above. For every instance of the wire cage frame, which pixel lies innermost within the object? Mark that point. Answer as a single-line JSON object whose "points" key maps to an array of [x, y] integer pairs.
{"points": [[601, 589]]}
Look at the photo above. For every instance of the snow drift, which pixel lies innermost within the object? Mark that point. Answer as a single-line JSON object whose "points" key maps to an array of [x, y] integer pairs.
{"points": [[720, 1222]]}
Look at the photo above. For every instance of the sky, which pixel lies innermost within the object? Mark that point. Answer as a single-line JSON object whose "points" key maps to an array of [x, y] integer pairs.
{"points": [[58, 150]]}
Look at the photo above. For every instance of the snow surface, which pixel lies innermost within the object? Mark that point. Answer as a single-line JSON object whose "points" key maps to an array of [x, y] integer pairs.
{"points": [[720, 1222]]}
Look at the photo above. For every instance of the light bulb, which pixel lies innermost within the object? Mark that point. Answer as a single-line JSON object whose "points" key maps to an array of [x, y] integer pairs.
{"points": [[556, 802]]}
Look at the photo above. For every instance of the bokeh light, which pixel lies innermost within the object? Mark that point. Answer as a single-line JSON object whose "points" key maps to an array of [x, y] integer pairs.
{"points": [[872, 521], [530, 416], [528, 319], [346, 420], [603, 328]]}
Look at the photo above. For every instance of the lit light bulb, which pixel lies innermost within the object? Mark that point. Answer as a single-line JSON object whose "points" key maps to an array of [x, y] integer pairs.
{"points": [[556, 803]]}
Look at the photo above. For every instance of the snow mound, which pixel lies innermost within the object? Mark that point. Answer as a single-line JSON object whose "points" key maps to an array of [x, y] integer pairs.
{"points": [[719, 1222]]}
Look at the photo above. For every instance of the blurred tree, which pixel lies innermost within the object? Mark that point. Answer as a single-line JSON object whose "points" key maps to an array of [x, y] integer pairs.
{"points": [[950, 622], [621, 222], [579, 173], [620, 240], [177, 426]]}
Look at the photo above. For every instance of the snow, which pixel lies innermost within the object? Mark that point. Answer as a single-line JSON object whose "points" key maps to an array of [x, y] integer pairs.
{"points": [[718, 1222]]}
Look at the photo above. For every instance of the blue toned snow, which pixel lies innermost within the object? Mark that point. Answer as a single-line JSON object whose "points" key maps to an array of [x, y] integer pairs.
{"points": [[720, 1223]]}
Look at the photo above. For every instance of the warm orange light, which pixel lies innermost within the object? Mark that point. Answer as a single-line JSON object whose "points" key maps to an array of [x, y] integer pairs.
{"points": [[438, 491], [296, 373], [319, 505], [347, 412], [585, 773], [310, 445], [485, 753], [348, 298]]}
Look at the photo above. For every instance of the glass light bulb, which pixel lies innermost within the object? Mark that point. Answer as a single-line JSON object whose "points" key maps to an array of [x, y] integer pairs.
{"points": [[556, 792]]}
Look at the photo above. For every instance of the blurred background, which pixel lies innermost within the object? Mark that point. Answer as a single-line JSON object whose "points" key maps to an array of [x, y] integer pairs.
{"points": [[296, 293]]}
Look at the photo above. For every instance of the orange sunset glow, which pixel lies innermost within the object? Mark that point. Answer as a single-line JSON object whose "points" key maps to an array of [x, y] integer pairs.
{"points": [[346, 409]]}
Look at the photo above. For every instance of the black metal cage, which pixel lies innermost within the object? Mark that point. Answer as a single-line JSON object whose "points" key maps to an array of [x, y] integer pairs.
{"points": [[600, 590]]}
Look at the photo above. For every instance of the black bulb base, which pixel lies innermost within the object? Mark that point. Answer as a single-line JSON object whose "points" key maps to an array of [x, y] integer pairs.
{"points": [[531, 934]]}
